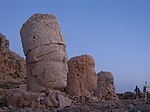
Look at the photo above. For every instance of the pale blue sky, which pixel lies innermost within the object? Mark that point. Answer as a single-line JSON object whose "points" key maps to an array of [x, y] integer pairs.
{"points": [[115, 32]]}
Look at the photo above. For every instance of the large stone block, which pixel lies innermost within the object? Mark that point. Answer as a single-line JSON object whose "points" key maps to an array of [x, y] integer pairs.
{"points": [[82, 79], [45, 52]]}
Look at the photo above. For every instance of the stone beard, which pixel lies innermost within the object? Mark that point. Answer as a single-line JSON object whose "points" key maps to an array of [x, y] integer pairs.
{"points": [[45, 52]]}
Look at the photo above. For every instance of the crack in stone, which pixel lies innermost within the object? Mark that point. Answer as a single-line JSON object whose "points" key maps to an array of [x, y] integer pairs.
{"points": [[44, 45]]}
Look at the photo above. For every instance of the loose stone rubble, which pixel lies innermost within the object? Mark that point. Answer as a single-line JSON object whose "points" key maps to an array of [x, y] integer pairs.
{"points": [[45, 53], [82, 79], [45, 100]]}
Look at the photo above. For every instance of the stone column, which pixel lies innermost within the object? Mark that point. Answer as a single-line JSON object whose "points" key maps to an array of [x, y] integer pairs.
{"points": [[82, 79], [45, 52]]}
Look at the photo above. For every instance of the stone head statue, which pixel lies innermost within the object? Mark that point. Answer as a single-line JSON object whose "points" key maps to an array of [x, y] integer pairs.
{"points": [[45, 53], [105, 86]]}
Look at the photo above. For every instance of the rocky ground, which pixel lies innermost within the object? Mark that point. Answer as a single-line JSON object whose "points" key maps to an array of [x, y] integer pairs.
{"points": [[105, 106], [111, 106]]}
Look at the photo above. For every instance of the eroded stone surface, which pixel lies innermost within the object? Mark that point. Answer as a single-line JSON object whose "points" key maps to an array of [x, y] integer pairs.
{"points": [[110, 106], [18, 98], [12, 67], [82, 79], [45, 52], [46, 100], [4, 43], [64, 101], [105, 86]]}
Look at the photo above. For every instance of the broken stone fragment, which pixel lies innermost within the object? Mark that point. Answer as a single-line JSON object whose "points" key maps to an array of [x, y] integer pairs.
{"points": [[18, 98], [64, 101], [82, 79]]}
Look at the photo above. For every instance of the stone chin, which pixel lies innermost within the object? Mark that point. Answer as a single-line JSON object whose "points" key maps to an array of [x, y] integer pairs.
{"points": [[56, 85], [59, 84]]}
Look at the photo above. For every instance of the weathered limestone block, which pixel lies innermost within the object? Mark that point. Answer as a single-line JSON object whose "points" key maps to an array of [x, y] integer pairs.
{"points": [[12, 67], [45, 52], [47, 100], [105, 86], [82, 79], [18, 98]]}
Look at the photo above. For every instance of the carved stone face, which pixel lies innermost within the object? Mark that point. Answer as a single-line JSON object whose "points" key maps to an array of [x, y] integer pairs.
{"points": [[52, 69], [45, 52]]}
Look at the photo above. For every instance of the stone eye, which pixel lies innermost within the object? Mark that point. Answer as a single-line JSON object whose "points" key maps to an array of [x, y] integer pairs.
{"points": [[33, 37]]}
